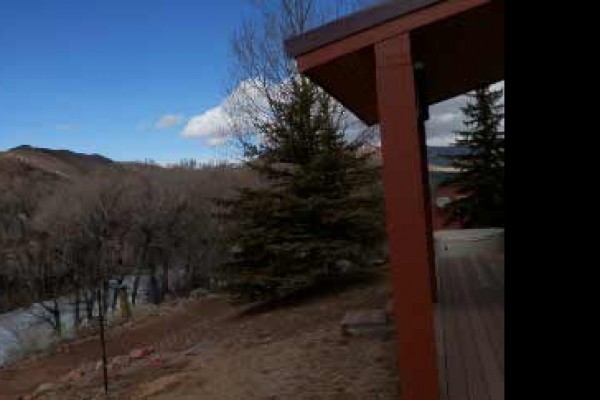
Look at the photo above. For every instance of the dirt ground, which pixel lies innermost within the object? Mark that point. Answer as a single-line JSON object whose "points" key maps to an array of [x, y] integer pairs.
{"points": [[207, 349]]}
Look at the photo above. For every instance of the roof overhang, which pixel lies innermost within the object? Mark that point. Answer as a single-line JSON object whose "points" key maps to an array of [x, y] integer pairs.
{"points": [[460, 44]]}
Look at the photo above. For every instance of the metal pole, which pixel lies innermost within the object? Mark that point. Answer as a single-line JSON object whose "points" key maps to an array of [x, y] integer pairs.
{"points": [[102, 341]]}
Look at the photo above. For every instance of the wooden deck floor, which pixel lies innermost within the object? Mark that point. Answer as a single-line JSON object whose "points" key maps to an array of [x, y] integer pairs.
{"points": [[470, 327]]}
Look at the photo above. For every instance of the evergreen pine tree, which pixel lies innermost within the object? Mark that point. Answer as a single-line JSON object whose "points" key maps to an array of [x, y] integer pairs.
{"points": [[480, 180], [319, 202]]}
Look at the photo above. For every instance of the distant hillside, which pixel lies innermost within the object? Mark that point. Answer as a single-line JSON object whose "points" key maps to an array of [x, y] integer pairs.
{"points": [[34, 164], [435, 154], [436, 157], [60, 163], [33, 173]]}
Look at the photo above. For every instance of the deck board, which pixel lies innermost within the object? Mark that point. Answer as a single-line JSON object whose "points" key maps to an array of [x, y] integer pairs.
{"points": [[469, 350], [439, 331], [454, 363], [470, 328], [490, 302], [483, 338]]}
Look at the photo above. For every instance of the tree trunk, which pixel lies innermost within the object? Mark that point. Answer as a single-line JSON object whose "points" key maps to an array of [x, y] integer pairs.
{"points": [[89, 305], [116, 294], [165, 277], [77, 316], [190, 273], [57, 322], [144, 262], [136, 282], [154, 295], [102, 341], [124, 304], [104, 297]]}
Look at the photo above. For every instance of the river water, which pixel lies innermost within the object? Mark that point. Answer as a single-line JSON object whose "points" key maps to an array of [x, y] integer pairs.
{"points": [[23, 328]]}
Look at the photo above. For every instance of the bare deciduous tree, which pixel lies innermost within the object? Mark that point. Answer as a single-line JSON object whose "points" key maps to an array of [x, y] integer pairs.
{"points": [[262, 73]]}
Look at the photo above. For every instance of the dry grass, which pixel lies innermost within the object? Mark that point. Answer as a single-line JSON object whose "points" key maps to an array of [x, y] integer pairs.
{"points": [[291, 352]]}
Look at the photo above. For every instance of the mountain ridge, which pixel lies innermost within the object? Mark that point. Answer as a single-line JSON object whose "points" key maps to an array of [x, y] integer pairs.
{"points": [[60, 162]]}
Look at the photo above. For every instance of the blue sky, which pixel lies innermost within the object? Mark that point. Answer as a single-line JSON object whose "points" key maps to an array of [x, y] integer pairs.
{"points": [[98, 76], [129, 79]]}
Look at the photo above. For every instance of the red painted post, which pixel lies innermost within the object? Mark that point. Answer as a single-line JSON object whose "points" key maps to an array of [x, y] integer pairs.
{"points": [[406, 218], [425, 175]]}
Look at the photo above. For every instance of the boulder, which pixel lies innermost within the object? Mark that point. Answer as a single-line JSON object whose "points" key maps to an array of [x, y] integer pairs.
{"points": [[199, 293], [156, 361], [44, 388], [198, 349], [160, 385], [137, 354], [73, 375], [118, 362], [365, 322]]}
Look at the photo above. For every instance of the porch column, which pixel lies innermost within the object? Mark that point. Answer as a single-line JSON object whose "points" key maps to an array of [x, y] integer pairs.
{"points": [[405, 198], [420, 83]]}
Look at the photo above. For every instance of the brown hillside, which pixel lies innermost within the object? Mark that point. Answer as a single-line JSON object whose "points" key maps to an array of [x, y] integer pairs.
{"points": [[63, 164]]}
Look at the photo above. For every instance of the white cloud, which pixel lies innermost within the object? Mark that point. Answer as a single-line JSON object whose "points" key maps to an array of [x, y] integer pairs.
{"points": [[168, 121], [215, 125], [441, 141], [446, 117], [213, 122]]}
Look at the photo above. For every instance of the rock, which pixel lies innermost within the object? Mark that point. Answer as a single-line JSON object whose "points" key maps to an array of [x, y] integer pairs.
{"points": [[199, 293], [44, 388], [73, 375], [119, 362], [160, 385], [365, 322], [197, 349], [129, 324], [137, 354], [156, 362]]}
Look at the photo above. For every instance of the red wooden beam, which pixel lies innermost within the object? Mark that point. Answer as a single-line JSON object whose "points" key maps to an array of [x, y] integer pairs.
{"points": [[407, 227], [384, 31]]}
